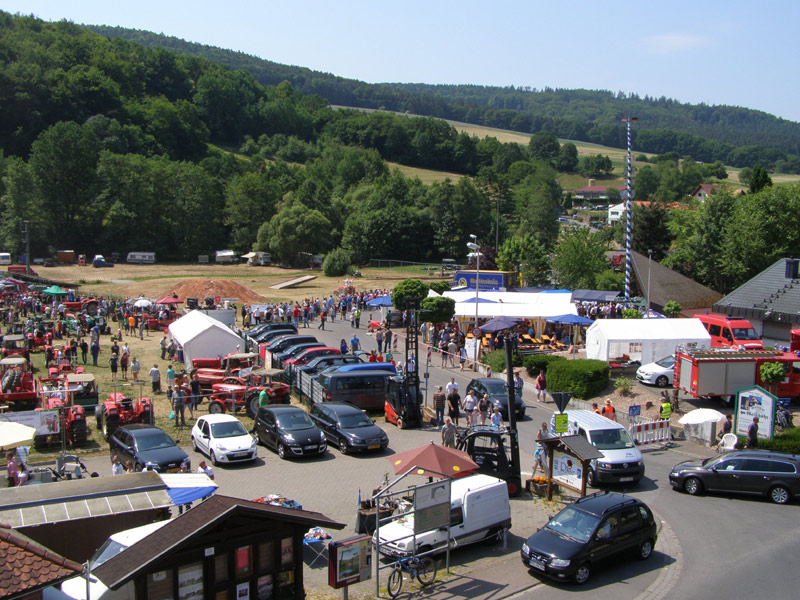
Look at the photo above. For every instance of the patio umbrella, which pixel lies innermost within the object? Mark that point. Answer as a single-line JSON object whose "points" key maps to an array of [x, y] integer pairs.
{"points": [[380, 301], [433, 461], [570, 320], [499, 324], [701, 415], [169, 300], [143, 303], [14, 434], [54, 290]]}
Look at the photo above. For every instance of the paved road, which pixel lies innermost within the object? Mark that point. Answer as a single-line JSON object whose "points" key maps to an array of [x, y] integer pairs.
{"points": [[709, 547]]}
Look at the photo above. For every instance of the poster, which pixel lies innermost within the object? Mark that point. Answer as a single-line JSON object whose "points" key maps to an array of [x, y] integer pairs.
{"points": [[243, 591], [753, 402], [567, 470], [45, 422], [190, 581], [287, 551], [432, 506], [350, 561], [264, 587]]}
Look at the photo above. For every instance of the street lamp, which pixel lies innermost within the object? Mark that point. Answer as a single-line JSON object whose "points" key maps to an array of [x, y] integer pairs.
{"points": [[476, 252]]}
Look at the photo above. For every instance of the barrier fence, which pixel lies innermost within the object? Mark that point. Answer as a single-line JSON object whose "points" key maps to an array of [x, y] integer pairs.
{"points": [[654, 432]]}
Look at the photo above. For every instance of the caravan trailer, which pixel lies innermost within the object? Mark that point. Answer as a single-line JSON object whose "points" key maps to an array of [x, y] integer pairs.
{"points": [[141, 258]]}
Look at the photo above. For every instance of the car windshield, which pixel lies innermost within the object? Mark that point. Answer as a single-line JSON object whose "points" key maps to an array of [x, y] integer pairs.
{"points": [[714, 460], [744, 333], [574, 523], [611, 439], [496, 387], [108, 550], [355, 420], [154, 441], [228, 429], [667, 363], [294, 421]]}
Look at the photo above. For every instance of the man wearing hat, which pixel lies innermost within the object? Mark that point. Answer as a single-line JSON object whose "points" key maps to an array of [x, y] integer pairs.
{"points": [[609, 412]]}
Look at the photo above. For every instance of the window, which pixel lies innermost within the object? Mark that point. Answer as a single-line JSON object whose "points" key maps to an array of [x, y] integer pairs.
{"points": [[756, 464], [635, 348], [609, 528], [456, 516], [726, 333], [776, 466], [714, 330], [629, 519], [644, 513], [734, 464]]}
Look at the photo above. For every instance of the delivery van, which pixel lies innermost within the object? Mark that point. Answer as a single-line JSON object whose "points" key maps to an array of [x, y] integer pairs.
{"points": [[621, 463], [726, 332], [479, 510]]}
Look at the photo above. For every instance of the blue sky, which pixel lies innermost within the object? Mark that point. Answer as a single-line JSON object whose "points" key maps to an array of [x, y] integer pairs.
{"points": [[734, 52]]}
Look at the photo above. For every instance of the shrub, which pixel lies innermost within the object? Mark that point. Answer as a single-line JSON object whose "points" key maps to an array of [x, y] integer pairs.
{"points": [[539, 362], [631, 313], [584, 378], [440, 287], [672, 308], [497, 360], [623, 385], [787, 441], [336, 263]]}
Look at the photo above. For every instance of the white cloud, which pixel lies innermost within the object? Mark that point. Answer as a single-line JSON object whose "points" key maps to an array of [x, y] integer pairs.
{"points": [[671, 43]]}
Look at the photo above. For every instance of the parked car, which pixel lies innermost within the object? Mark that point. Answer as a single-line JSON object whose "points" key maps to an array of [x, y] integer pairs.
{"points": [[289, 431], [323, 362], [348, 427], [498, 395], [756, 472], [310, 354], [595, 528], [223, 439], [100, 262], [292, 351], [148, 448], [658, 373]]}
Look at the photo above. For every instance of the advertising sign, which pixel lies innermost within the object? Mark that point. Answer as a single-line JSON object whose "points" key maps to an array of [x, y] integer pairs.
{"points": [[432, 506], [567, 470], [754, 402], [349, 561], [471, 346], [562, 423], [46, 422]]}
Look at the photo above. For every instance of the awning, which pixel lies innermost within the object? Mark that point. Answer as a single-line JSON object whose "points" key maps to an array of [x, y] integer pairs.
{"points": [[185, 488]]}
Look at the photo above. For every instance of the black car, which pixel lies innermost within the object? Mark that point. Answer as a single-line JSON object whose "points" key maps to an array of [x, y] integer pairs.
{"points": [[498, 395], [756, 472], [323, 362], [348, 427], [292, 351], [270, 335], [289, 431], [267, 327], [593, 529], [282, 343], [148, 448]]}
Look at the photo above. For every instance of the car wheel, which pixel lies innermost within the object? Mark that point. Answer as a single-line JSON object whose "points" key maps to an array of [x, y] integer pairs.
{"points": [[213, 458], [344, 448], [780, 495], [646, 549], [662, 381], [194, 444], [590, 477], [281, 450], [693, 486], [582, 574], [400, 424]]}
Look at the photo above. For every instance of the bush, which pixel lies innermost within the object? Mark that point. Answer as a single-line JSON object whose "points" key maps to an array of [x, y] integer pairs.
{"points": [[787, 441], [623, 385], [584, 378], [497, 360], [539, 362], [336, 263], [440, 287]]}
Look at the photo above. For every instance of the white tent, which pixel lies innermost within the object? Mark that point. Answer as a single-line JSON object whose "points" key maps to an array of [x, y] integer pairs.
{"points": [[645, 340], [203, 337], [513, 304]]}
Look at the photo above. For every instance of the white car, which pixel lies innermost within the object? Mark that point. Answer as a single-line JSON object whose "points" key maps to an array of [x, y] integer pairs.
{"points": [[223, 439], [658, 373]]}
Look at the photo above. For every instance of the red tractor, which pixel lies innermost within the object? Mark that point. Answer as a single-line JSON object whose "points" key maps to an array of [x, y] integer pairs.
{"points": [[119, 409], [232, 397], [71, 416], [62, 367], [15, 345], [211, 371], [16, 384]]}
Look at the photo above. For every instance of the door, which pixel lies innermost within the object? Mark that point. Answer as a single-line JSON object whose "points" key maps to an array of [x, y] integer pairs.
{"points": [[757, 475], [603, 543], [204, 441], [630, 528], [266, 428], [122, 446], [727, 476]]}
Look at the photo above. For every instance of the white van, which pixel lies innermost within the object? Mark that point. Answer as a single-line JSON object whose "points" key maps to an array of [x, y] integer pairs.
{"points": [[621, 463], [5, 258], [141, 258], [479, 510], [75, 587]]}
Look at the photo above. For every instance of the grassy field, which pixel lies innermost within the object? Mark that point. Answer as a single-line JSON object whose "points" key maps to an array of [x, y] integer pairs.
{"points": [[426, 176]]}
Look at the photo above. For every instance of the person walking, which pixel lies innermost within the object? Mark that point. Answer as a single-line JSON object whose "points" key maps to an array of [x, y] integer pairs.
{"points": [[497, 418], [541, 387], [113, 362], [116, 466], [164, 344], [204, 469], [323, 316], [84, 350], [609, 412], [123, 365], [518, 385], [155, 379], [453, 403], [354, 343], [343, 346], [357, 317], [470, 402], [178, 406], [452, 351], [387, 340], [448, 433], [379, 339], [135, 368], [95, 350], [483, 408], [194, 386], [462, 357], [666, 409], [752, 434], [170, 376], [439, 402]]}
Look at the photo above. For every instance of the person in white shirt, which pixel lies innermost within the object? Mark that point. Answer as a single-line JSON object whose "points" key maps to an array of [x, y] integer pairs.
{"points": [[116, 466], [470, 402], [452, 386], [204, 469]]}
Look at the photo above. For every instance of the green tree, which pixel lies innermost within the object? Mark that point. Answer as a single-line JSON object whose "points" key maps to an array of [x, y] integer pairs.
{"points": [[759, 179], [438, 309], [631, 313], [595, 165], [250, 199], [407, 289], [610, 280], [441, 286], [650, 230], [336, 263], [295, 229], [744, 175], [645, 183], [537, 201], [544, 146], [579, 257], [613, 196], [567, 160], [527, 255], [673, 308]]}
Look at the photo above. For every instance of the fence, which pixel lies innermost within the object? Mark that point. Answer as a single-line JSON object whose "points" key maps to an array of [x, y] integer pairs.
{"points": [[308, 387], [653, 432]]}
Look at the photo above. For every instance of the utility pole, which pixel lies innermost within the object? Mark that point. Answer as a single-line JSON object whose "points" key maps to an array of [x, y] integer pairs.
{"points": [[628, 215]]}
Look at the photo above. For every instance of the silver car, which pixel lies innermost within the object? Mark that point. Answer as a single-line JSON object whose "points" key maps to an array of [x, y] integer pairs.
{"points": [[659, 373]]}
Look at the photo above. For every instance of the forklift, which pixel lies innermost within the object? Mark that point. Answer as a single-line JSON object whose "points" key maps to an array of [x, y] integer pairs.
{"points": [[494, 450], [403, 405]]}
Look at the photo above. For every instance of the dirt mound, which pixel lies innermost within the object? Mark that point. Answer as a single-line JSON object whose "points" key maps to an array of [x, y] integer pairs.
{"points": [[204, 288]]}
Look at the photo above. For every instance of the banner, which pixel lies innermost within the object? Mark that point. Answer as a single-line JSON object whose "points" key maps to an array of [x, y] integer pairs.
{"points": [[46, 422], [567, 469]]}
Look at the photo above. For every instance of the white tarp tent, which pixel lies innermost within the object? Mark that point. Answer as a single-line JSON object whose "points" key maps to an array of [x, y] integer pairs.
{"points": [[511, 304], [645, 340], [202, 336]]}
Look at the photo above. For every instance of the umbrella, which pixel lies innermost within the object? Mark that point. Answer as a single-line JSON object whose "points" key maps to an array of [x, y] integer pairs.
{"points": [[143, 303], [570, 320], [169, 300], [54, 290], [499, 324], [380, 301], [433, 461], [701, 415], [14, 434]]}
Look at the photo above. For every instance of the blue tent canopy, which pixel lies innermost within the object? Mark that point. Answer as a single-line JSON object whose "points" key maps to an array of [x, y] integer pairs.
{"points": [[570, 320], [185, 488], [499, 324], [380, 301]]}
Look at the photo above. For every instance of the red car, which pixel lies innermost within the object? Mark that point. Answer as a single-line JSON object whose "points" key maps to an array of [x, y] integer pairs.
{"points": [[310, 354]]}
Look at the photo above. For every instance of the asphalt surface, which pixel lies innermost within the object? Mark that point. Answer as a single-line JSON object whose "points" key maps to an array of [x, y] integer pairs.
{"points": [[709, 546]]}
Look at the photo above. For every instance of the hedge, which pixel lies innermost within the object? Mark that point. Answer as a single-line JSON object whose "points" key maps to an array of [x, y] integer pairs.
{"points": [[787, 441], [584, 378], [539, 362], [497, 360]]}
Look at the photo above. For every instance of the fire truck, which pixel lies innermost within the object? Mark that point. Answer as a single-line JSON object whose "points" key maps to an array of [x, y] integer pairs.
{"points": [[719, 372]]}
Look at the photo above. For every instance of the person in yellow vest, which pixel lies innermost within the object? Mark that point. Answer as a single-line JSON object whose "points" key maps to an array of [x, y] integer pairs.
{"points": [[666, 410]]}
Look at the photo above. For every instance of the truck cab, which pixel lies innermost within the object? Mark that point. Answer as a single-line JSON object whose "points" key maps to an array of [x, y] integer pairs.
{"points": [[727, 333]]}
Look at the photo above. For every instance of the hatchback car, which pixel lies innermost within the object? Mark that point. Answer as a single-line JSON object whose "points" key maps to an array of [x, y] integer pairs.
{"points": [[223, 439], [756, 472], [595, 528], [289, 431], [498, 395], [292, 351], [659, 373], [323, 362], [348, 427], [148, 448]]}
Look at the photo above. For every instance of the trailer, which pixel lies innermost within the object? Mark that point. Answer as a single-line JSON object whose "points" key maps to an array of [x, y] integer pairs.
{"points": [[719, 372]]}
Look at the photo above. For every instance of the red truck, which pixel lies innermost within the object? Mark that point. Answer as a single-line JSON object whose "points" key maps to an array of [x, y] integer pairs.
{"points": [[719, 372], [727, 332]]}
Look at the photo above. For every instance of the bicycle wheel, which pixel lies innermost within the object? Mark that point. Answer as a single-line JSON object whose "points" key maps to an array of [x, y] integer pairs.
{"points": [[395, 582], [426, 571]]}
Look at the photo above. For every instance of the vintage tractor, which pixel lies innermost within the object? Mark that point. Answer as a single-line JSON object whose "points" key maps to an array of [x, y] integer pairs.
{"points": [[64, 366], [211, 371], [245, 393], [16, 384], [72, 420], [15, 344], [119, 409]]}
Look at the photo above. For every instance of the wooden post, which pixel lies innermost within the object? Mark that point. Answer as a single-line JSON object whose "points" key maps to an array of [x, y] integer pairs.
{"points": [[585, 464], [550, 452]]}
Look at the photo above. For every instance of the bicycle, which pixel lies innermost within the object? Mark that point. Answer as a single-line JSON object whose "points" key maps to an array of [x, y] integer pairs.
{"points": [[424, 569]]}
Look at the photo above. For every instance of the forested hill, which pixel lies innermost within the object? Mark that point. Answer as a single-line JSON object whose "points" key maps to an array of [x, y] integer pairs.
{"points": [[736, 136]]}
